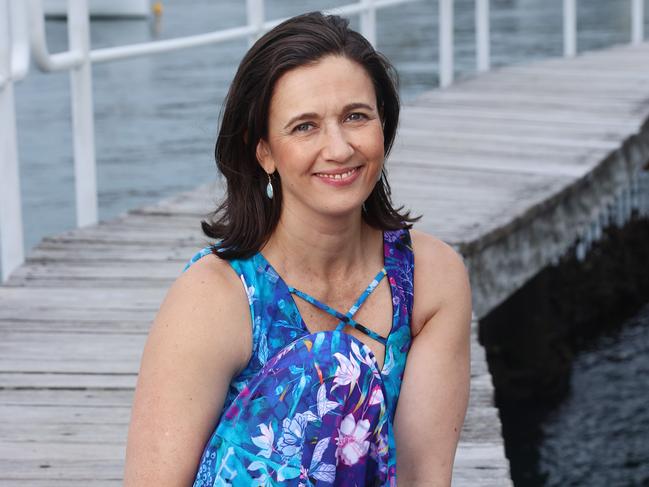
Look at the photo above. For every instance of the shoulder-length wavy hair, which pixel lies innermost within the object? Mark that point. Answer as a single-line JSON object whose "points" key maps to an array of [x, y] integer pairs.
{"points": [[246, 218]]}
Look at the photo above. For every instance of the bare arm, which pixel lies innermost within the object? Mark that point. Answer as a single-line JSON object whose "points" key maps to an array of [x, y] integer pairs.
{"points": [[199, 340], [435, 389]]}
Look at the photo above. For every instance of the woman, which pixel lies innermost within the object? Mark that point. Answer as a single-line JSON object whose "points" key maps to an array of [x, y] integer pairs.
{"points": [[267, 384]]}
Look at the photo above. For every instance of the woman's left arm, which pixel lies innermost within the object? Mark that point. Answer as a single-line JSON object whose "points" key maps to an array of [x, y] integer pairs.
{"points": [[435, 388]]}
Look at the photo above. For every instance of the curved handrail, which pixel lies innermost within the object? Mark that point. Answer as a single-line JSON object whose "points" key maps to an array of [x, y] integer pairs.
{"points": [[154, 47], [65, 60], [44, 60]]}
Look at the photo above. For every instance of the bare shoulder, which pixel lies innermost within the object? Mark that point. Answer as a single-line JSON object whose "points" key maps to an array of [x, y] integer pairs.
{"points": [[208, 274], [435, 389], [441, 278], [208, 300], [200, 339], [433, 253]]}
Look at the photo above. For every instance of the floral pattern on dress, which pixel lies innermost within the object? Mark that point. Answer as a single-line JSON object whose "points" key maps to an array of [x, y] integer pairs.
{"points": [[310, 408]]}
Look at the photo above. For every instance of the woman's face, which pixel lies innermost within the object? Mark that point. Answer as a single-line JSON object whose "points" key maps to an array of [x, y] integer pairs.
{"points": [[325, 137]]}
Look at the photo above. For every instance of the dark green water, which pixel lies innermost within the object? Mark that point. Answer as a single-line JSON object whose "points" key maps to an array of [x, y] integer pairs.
{"points": [[599, 435], [569, 357]]}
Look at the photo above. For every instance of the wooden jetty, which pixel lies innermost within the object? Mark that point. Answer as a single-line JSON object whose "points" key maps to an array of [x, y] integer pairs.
{"points": [[507, 167]]}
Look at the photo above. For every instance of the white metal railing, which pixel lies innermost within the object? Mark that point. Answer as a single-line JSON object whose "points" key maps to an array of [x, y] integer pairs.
{"points": [[569, 28], [14, 62], [637, 21], [482, 28], [446, 27], [22, 27]]}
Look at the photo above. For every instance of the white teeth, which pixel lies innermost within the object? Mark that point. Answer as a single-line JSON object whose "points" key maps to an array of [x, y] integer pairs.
{"points": [[338, 176]]}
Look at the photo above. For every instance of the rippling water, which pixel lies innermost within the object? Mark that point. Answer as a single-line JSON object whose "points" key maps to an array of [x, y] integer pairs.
{"points": [[599, 435]]}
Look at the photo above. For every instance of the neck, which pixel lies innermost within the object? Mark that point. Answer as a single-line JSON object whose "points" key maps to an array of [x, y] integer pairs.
{"points": [[324, 247]]}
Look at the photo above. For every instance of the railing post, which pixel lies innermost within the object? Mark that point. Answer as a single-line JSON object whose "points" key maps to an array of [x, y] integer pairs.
{"points": [[82, 114], [368, 21], [445, 42], [483, 51], [11, 221], [637, 21], [255, 15], [20, 39], [569, 28]]}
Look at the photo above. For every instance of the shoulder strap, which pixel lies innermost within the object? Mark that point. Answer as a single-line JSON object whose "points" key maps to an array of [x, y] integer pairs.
{"points": [[197, 256], [400, 263], [347, 318], [245, 269]]}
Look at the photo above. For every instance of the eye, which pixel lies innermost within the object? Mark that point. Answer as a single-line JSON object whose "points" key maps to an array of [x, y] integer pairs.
{"points": [[303, 127], [357, 116]]}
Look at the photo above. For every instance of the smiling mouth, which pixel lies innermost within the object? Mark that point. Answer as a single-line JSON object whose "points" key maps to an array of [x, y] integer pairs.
{"points": [[338, 176]]}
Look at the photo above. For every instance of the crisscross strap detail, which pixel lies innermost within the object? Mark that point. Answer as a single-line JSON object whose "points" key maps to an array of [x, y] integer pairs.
{"points": [[347, 318]]}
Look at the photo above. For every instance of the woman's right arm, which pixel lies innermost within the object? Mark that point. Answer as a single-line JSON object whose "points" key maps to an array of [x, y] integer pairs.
{"points": [[200, 339]]}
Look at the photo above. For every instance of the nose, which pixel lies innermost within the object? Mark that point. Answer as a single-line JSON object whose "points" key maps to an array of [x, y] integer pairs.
{"points": [[336, 147]]}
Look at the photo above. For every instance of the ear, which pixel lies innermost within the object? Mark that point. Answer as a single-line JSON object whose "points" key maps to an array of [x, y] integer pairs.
{"points": [[264, 157]]}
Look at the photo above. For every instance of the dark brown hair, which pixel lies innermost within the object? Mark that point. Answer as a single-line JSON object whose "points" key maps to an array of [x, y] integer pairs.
{"points": [[246, 218]]}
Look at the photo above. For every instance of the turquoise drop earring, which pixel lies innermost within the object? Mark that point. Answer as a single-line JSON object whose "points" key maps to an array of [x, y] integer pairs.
{"points": [[269, 189]]}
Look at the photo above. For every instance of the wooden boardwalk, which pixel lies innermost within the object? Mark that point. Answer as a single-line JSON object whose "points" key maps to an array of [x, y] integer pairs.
{"points": [[482, 161]]}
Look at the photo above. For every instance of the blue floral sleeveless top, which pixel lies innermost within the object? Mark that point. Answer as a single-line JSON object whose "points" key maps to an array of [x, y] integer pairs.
{"points": [[312, 408]]}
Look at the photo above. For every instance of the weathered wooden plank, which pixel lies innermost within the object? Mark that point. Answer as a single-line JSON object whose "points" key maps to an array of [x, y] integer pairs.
{"points": [[70, 282], [583, 73], [496, 136], [470, 125], [88, 299], [119, 324], [99, 250], [465, 96], [561, 118], [35, 417], [27, 429], [538, 154], [475, 159], [18, 380], [528, 105], [478, 462], [72, 397], [471, 89], [36, 352], [48, 315], [52, 461], [112, 235], [63, 482], [533, 83], [66, 452], [89, 271], [568, 73]]}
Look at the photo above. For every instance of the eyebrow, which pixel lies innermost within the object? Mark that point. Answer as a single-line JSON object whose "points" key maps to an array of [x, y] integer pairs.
{"points": [[346, 108]]}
